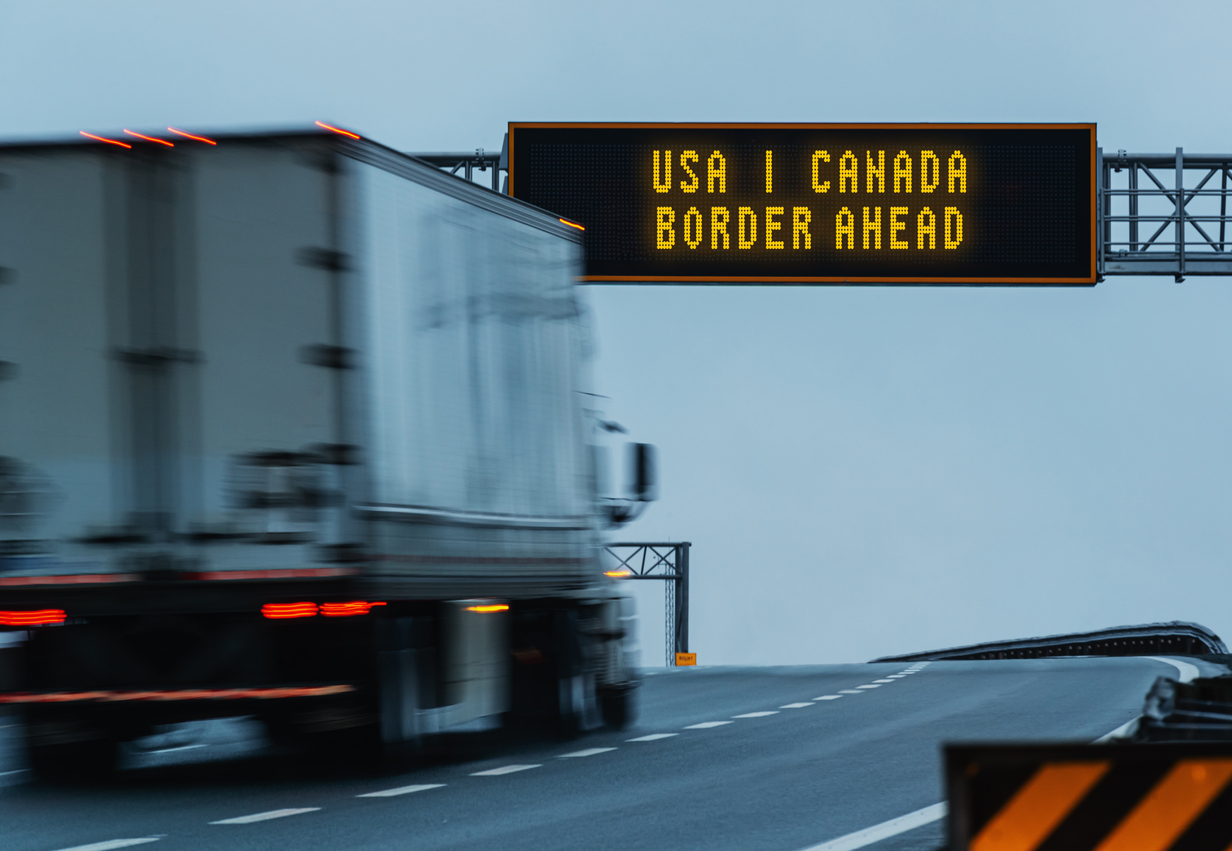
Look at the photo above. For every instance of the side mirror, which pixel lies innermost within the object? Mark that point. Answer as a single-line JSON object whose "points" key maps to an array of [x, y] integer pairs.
{"points": [[645, 478]]}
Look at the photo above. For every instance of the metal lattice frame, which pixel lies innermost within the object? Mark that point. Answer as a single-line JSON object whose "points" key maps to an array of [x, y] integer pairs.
{"points": [[468, 163], [669, 563], [1164, 214]]}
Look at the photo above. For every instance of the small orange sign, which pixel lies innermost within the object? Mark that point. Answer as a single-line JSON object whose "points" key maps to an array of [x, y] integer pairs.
{"points": [[686, 659]]}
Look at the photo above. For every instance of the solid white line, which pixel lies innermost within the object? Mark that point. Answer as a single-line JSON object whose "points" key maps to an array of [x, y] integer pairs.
{"points": [[113, 843], [401, 790], [587, 752], [828, 697], [795, 705], [1188, 672], [17, 771], [706, 725], [1125, 729], [885, 830], [504, 769], [653, 737], [757, 714], [266, 816]]}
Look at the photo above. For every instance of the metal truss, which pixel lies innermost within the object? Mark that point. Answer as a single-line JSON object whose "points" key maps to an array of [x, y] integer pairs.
{"points": [[1164, 214], [668, 562], [469, 162]]}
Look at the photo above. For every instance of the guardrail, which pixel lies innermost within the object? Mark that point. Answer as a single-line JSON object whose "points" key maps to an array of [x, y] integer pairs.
{"points": [[1174, 637]]}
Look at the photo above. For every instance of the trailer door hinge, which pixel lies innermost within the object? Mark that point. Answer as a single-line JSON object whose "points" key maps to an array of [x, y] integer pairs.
{"points": [[324, 258], [330, 357], [158, 356]]}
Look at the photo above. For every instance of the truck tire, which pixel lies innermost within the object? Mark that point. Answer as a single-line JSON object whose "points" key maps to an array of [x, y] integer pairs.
{"points": [[618, 707], [66, 749]]}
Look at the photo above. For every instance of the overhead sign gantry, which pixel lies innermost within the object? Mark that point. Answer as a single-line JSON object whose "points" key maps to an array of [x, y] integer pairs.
{"points": [[819, 203]]}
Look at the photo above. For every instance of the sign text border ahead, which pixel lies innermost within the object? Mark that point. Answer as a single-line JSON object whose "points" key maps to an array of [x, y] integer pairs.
{"points": [[1090, 279]]}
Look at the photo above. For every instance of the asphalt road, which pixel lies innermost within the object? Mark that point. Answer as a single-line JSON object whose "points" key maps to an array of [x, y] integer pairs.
{"points": [[793, 773]]}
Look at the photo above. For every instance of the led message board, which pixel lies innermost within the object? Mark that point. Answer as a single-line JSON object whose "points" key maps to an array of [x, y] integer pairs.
{"points": [[818, 203]]}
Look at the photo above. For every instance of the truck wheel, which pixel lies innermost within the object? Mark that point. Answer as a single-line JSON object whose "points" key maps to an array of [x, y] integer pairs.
{"points": [[571, 706], [618, 707], [69, 751]]}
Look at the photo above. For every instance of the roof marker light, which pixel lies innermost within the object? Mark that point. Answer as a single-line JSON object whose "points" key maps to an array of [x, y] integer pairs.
{"points": [[338, 130], [101, 139], [38, 617], [151, 139], [284, 611], [494, 607], [191, 136], [346, 610], [571, 224], [618, 574]]}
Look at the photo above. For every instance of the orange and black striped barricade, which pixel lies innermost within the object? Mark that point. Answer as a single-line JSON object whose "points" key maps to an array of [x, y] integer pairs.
{"points": [[1115, 797]]}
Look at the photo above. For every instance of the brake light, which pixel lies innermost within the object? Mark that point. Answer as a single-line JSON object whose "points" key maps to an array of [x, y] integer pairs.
{"points": [[346, 610], [285, 611], [494, 607], [38, 617]]}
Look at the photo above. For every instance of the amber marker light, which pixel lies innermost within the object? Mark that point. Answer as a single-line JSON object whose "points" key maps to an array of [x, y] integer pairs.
{"points": [[346, 610], [101, 139], [618, 574], [37, 617], [151, 139], [494, 607], [337, 130], [191, 136], [571, 224], [286, 611]]}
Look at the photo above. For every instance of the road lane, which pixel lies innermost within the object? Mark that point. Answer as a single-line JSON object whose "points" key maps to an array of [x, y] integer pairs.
{"points": [[784, 781]]}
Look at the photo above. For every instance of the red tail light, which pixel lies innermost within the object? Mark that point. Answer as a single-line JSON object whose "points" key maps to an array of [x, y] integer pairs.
{"points": [[104, 139], [344, 610], [337, 130], [39, 617], [192, 136], [283, 611], [150, 138]]}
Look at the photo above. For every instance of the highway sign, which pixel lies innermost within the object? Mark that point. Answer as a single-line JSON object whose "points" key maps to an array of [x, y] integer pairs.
{"points": [[819, 203], [1107, 797]]}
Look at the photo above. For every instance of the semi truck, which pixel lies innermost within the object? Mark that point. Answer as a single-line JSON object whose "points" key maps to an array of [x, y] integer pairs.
{"points": [[294, 426]]}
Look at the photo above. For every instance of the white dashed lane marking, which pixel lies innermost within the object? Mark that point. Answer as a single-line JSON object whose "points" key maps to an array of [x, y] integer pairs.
{"points": [[401, 790], [587, 752], [883, 681], [828, 697], [504, 769], [850, 691], [653, 737], [758, 714], [869, 686], [266, 816], [795, 705], [706, 725], [113, 843], [177, 748]]}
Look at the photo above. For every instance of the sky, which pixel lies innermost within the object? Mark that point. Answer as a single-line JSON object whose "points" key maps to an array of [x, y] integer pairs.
{"points": [[861, 471]]}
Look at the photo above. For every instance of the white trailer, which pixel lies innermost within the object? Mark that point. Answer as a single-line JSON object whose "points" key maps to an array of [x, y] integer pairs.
{"points": [[292, 424]]}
